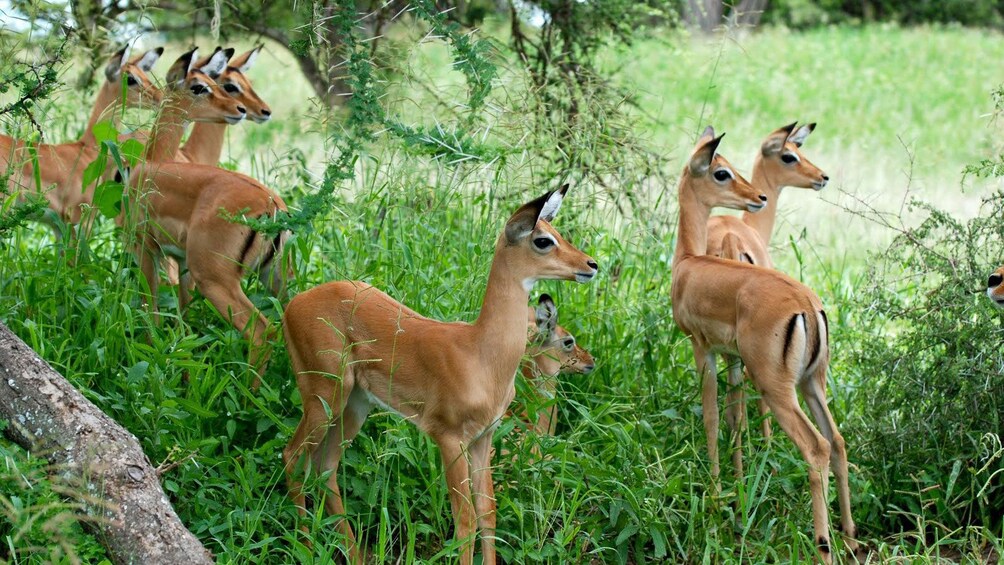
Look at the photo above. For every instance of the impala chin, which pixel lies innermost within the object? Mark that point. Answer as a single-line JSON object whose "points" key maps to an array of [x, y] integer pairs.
{"points": [[817, 186], [751, 207], [234, 119], [260, 119], [997, 300], [584, 277]]}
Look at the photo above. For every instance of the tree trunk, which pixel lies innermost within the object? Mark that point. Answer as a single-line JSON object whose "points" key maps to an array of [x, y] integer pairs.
{"points": [[748, 13], [703, 14], [47, 415]]}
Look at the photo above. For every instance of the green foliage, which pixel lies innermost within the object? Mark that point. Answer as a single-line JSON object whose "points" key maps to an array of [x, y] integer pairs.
{"points": [[809, 13], [935, 393]]}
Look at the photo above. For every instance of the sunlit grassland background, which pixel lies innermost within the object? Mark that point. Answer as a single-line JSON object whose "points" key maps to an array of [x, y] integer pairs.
{"points": [[900, 113]]}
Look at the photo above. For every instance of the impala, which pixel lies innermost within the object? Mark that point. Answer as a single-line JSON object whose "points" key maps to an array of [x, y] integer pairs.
{"points": [[351, 346], [759, 317], [780, 163], [995, 287], [61, 166], [178, 209], [551, 351]]}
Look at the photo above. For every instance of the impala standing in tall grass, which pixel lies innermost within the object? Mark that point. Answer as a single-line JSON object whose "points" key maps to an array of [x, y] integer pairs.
{"points": [[995, 287], [762, 318], [61, 166], [352, 346], [780, 163], [177, 207], [552, 351]]}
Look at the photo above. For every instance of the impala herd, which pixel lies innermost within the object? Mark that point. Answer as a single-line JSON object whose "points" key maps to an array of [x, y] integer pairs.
{"points": [[352, 346]]}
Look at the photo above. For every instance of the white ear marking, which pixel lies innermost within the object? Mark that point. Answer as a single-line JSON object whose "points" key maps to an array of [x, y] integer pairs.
{"points": [[551, 206], [216, 63], [799, 135], [250, 60], [126, 51], [149, 59]]}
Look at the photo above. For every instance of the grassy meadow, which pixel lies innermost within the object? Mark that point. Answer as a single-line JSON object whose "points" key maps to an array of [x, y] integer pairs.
{"points": [[626, 478]]}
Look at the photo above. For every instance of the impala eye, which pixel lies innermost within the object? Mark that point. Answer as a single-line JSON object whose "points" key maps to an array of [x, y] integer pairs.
{"points": [[542, 242], [722, 175], [131, 80], [789, 158], [995, 280], [568, 343], [231, 88], [200, 89]]}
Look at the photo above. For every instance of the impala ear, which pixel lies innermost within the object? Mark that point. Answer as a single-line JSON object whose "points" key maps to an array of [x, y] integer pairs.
{"points": [[114, 69], [776, 140], [798, 137], [244, 61], [215, 63], [179, 70], [522, 222], [704, 153], [146, 61], [546, 316]]}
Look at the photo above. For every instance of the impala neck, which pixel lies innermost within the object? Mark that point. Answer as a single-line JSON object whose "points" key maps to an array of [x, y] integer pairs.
{"points": [[763, 221], [165, 138], [501, 325], [692, 231], [108, 102], [205, 144]]}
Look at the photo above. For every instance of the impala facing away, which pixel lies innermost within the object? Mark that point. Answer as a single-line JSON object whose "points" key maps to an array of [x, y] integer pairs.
{"points": [[61, 166], [552, 351], [762, 318], [780, 163], [352, 346], [176, 208], [995, 287]]}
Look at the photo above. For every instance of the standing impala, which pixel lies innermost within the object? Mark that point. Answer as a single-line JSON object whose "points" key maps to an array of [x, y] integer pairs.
{"points": [[177, 209], [762, 318], [780, 163], [352, 346], [552, 351], [61, 166], [995, 287]]}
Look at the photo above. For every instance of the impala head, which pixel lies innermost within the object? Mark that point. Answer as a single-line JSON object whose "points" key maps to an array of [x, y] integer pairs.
{"points": [[190, 87], [553, 349], [234, 82], [715, 182], [995, 287], [538, 251], [139, 89], [783, 162]]}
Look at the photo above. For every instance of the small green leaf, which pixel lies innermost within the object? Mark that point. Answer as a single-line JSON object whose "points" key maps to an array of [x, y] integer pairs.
{"points": [[108, 198], [105, 131], [95, 168], [133, 150]]}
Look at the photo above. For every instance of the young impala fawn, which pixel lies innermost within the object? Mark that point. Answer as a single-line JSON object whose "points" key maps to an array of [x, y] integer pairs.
{"points": [[177, 210], [352, 346], [61, 166], [995, 287], [551, 351], [762, 318], [780, 163]]}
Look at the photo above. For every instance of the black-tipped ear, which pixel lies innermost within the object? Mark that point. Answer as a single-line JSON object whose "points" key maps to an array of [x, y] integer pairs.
{"points": [[522, 222], [798, 136], [179, 70], [114, 68], [776, 140], [704, 153], [546, 315]]}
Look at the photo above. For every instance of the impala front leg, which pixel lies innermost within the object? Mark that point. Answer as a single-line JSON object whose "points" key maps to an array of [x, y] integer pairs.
{"points": [[735, 412], [148, 266], [458, 481], [484, 494]]}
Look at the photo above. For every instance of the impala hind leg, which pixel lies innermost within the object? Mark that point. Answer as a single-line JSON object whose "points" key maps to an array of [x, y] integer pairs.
{"points": [[458, 481], [230, 301], [706, 368], [813, 391], [735, 412], [340, 434], [815, 450]]}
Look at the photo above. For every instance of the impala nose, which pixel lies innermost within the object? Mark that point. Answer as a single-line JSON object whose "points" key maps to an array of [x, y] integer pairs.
{"points": [[593, 264], [763, 198], [266, 112], [826, 178], [242, 109], [588, 368]]}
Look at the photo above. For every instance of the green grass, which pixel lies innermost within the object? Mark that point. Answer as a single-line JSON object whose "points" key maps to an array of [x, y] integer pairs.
{"points": [[626, 478]]}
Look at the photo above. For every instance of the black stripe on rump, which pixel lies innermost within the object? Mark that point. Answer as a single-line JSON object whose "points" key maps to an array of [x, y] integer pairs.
{"points": [[826, 326], [270, 254], [789, 334], [747, 258], [247, 247]]}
